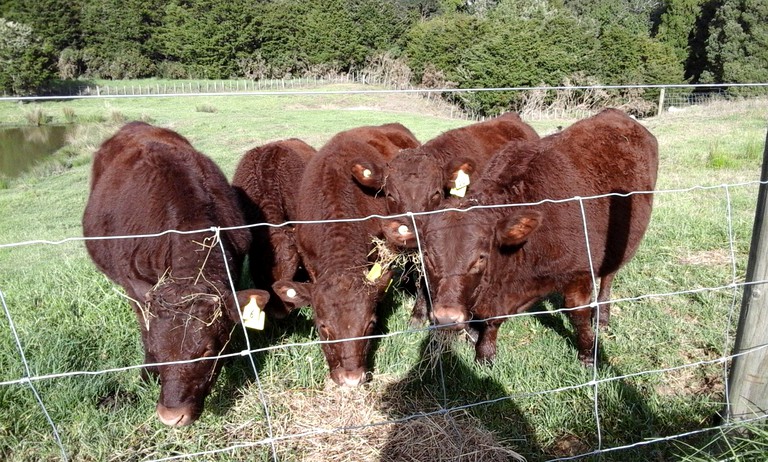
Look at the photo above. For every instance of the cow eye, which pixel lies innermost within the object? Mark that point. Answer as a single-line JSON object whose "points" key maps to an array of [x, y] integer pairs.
{"points": [[391, 203], [209, 351], [479, 265], [369, 329], [436, 198]]}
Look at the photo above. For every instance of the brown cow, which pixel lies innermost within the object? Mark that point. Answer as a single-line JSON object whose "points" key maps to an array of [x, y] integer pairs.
{"points": [[337, 255], [499, 261], [147, 180], [266, 181], [418, 179]]}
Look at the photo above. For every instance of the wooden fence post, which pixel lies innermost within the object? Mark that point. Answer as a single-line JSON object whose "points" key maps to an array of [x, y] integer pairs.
{"points": [[661, 101], [748, 378]]}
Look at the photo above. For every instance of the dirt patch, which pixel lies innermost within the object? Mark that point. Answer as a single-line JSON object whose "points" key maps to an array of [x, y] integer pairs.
{"points": [[408, 103], [718, 257], [568, 445]]}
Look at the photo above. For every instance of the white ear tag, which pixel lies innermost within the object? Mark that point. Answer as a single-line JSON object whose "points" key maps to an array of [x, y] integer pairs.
{"points": [[366, 173], [461, 183], [290, 293], [253, 316], [402, 229]]}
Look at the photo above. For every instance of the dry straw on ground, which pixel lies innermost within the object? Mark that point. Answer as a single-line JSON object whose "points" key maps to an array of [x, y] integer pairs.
{"points": [[352, 425], [375, 422]]}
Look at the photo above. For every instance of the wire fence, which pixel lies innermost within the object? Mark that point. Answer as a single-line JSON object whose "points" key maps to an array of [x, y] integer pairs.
{"points": [[544, 101], [273, 436], [736, 284]]}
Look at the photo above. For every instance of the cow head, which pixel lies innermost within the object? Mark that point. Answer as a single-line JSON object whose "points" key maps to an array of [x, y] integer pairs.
{"points": [[344, 307], [416, 182], [459, 248], [186, 323]]}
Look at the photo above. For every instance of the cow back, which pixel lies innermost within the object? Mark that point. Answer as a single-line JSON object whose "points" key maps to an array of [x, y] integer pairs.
{"points": [[147, 180], [266, 181]]}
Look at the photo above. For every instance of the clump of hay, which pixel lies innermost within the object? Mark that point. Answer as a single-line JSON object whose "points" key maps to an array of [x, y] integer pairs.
{"points": [[342, 424], [404, 264], [450, 436]]}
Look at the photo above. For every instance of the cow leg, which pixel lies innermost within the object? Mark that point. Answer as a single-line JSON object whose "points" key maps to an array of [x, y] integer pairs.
{"points": [[604, 297], [579, 293], [485, 348]]}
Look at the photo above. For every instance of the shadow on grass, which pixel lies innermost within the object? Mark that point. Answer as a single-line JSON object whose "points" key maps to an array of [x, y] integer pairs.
{"points": [[630, 409], [435, 419]]}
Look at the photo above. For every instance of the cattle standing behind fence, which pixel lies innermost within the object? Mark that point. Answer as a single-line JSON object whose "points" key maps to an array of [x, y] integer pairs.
{"points": [[419, 179], [337, 254], [652, 399], [147, 180], [265, 180], [494, 262]]}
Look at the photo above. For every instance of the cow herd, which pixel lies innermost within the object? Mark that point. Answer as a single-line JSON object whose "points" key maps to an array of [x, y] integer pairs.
{"points": [[501, 216]]}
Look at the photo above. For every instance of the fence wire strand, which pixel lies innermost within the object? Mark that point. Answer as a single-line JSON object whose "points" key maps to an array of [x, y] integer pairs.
{"points": [[272, 439]]}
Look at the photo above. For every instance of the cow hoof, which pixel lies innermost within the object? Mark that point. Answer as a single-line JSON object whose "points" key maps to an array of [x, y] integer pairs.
{"points": [[587, 360], [485, 358]]}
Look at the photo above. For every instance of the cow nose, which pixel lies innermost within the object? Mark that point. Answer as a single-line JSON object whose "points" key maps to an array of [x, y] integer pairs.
{"points": [[351, 378], [450, 316], [176, 416]]}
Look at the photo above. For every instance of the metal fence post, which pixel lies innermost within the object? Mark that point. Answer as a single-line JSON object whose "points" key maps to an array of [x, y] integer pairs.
{"points": [[748, 378]]}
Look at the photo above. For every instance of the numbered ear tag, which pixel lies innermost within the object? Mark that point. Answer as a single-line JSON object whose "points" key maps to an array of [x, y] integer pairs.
{"points": [[253, 316], [374, 273], [461, 183]]}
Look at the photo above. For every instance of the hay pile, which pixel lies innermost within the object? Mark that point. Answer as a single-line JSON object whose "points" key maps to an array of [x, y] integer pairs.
{"points": [[351, 425], [382, 421]]}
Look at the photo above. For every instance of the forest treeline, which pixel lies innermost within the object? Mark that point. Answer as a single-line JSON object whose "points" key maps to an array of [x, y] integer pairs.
{"points": [[430, 43]]}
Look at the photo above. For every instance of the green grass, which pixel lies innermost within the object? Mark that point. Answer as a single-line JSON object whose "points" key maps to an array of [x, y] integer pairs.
{"points": [[70, 318]]}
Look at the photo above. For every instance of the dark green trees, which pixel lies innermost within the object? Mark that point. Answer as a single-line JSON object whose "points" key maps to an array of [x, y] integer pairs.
{"points": [[737, 45], [439, 43]]}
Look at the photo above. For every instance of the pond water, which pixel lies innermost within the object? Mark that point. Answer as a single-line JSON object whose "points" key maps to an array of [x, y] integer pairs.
{"points": [[23, 147]]}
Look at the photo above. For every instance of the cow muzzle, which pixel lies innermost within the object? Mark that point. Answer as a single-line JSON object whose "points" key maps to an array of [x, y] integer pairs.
{"points": [[347, 378], [177, 416], [450, 316]]}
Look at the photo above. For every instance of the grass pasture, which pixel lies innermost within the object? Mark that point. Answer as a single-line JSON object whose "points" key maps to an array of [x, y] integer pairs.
{"points": [[674, 316]]}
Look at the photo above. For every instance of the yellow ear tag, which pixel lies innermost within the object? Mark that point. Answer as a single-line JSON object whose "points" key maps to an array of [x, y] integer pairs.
{"points": [[253, 316], [374, 273], [461, 183]]}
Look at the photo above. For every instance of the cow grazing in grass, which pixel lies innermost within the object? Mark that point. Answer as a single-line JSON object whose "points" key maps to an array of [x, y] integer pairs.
{"points": [[147, 180], [419, 179], [493, 262], [338, 255], [266, 180]]}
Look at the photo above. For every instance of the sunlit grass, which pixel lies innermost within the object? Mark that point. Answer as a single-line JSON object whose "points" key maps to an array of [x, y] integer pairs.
{"points": [[536, 400]]}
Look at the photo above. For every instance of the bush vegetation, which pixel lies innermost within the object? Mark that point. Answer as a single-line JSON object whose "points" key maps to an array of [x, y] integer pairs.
{"points": [[487, 43]]}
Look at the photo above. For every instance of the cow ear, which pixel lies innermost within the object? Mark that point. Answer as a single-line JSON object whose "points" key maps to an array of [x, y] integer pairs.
{"points": [[460, 169], [293, 294], [399, 234], [139, 290], [368, 173], [261, 297], [515, 229]]}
